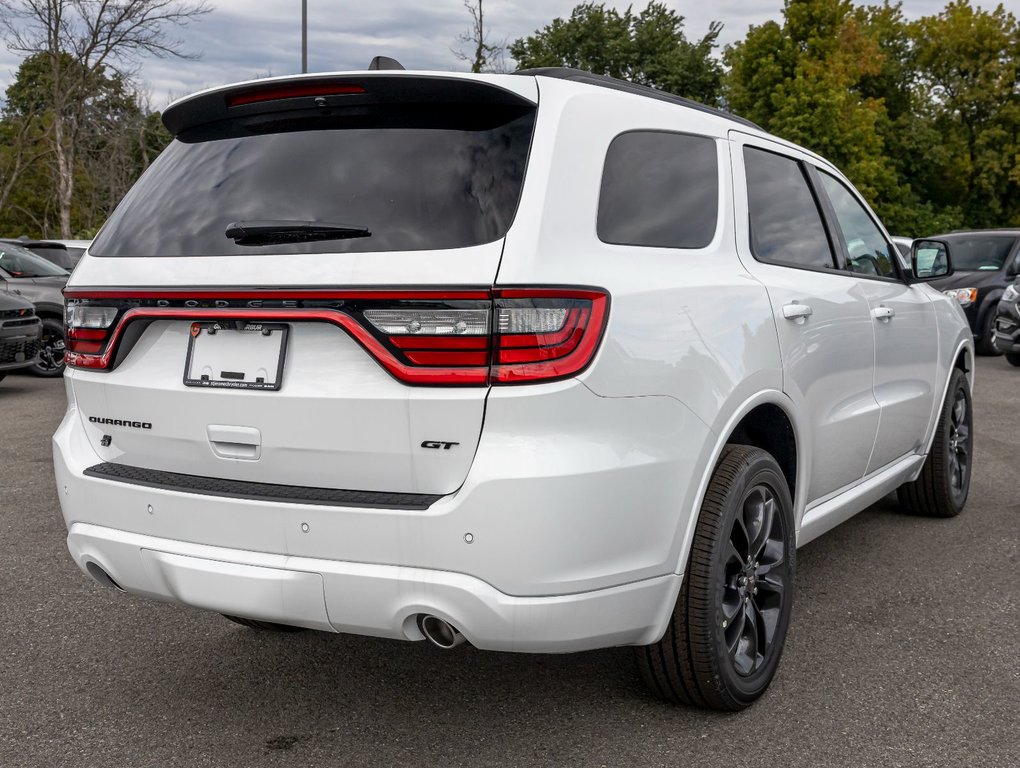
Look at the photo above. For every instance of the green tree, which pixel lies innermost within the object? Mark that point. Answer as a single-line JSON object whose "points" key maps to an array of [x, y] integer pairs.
{"points": [[648, 48], [923, 117], [966, 61], [911, 142], [814, 80], [116, 139], [83, 41]]}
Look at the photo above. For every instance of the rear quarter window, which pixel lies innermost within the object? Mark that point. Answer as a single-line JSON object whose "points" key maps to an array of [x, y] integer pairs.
{"points": [[659, 189]]}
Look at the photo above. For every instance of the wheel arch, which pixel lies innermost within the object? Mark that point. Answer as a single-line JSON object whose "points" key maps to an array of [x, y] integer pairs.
{"points": [[768, 426], [54, 311], [990, 304], [963, 360], [764, 420]]}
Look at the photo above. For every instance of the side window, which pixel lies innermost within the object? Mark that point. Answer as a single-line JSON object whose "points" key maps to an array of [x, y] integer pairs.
{"points": [[659, 190], [869, 251], [786, 225]]}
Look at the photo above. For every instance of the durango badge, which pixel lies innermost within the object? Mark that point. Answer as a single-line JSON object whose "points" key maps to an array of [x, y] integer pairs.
{"points": [[120, 422]]}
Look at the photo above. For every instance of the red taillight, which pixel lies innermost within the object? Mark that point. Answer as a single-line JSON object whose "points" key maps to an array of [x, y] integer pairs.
{"points": [[87, 328], [528, 348], [292, 92], [455, 337]]}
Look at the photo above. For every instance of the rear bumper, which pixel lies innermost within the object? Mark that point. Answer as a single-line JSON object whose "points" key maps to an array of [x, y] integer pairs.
{"points": [[566, 535], [378, 600]]}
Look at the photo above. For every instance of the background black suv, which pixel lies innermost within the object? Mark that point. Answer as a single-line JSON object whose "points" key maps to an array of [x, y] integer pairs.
{"points": [[1007, 324], [984, 263], [31, 277], [20, 332]]}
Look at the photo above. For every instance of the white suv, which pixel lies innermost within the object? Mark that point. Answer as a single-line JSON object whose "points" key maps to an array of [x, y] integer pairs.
{"points": [[544, 362]]}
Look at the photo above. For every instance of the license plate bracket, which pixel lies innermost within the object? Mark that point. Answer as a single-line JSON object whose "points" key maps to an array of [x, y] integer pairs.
{"points": [[241, 354]]}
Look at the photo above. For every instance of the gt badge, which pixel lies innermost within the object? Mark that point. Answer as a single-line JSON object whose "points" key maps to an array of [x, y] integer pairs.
{"points": [[438, 445]]}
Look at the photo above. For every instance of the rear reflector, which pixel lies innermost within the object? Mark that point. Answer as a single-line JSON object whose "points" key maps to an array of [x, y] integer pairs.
{"points": [[436, 338]]}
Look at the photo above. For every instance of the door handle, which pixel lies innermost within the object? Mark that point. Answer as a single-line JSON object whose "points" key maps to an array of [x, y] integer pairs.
{"points": [[885, 314], [798, 313]]}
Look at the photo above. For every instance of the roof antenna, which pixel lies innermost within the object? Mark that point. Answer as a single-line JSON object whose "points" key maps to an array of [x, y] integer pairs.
{"points": [[385, 62]]}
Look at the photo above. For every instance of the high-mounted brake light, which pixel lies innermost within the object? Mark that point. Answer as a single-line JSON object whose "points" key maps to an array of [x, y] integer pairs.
{"points": [[292, 92], [428, 337]]}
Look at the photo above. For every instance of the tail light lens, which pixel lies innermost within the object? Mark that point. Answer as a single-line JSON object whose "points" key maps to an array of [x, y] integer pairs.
{"points": [[87, 327], [545, 335], [469, 337], [430, 322]]}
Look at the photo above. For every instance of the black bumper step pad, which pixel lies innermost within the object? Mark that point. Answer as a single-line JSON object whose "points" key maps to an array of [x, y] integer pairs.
{"points": [[241, 489]]}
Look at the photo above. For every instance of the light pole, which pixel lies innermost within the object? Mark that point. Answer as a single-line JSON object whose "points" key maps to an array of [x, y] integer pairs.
{"points": [[304, 36]]}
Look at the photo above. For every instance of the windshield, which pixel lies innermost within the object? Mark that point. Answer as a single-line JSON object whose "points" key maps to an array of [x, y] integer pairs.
{"points": [[19, 262], [984, 253], [414, 177]]}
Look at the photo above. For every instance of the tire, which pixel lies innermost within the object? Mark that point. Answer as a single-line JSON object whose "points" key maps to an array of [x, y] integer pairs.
{"points": [[704, 659], [51, 359], [985, 344], [266, 626], [942, 488], [1013, 358]]}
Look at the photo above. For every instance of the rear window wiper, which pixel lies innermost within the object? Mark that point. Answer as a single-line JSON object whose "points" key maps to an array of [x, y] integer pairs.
{"points": [[266, 232]]}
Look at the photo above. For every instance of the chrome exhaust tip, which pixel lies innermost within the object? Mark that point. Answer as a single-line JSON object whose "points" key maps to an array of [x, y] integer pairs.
{"points": [[440, 632], [98, 573]]}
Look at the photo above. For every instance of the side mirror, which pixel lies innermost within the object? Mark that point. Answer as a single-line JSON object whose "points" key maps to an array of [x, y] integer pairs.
{"points": [[930, 260]]}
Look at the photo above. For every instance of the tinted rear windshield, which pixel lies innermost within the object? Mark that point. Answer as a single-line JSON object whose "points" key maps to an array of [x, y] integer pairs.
{"points": [[417, 177], [981, 253]]}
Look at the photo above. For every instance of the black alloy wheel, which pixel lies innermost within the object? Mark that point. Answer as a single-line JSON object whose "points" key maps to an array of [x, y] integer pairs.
{"points": [[725, 638], [942, 488], [755, 581], [958, 450], [51, 357]]}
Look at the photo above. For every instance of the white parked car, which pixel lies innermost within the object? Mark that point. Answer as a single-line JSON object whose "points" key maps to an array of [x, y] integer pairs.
{"points": [[544, 362]]}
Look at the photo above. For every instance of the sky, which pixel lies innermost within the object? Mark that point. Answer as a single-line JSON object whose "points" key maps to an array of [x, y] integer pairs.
{"points": [[244, 39]]}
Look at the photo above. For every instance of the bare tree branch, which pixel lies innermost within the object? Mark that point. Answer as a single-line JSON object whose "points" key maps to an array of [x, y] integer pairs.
{"points": [[483, 55], [86, 41]]}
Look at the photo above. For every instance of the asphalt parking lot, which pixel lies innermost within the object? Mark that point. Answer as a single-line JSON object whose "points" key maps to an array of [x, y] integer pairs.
{"points": [[904, 651]]}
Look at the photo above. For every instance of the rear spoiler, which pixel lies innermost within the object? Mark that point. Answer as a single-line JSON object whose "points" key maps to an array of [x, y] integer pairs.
{"points": [[326, 93]]}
